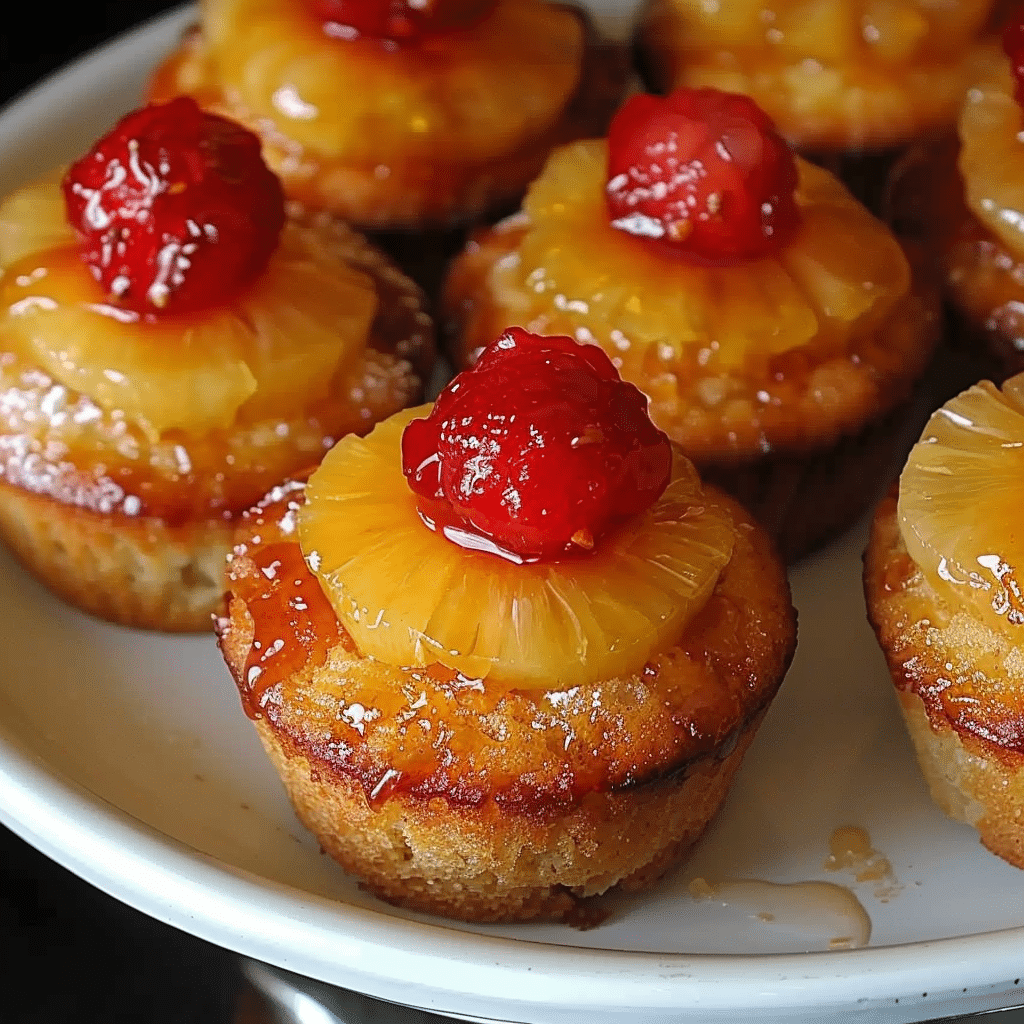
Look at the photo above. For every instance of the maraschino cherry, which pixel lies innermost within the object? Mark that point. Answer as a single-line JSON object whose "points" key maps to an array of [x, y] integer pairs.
{"points": [[704, 173], [397, 20], [540, 447], [1013, 47], [175, 208]]}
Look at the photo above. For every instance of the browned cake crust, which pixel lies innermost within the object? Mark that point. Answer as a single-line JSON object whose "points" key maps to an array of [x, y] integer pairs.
{"points": [[136, 571], [444, 796], [960, 686], [134, 528], [414, 194]]}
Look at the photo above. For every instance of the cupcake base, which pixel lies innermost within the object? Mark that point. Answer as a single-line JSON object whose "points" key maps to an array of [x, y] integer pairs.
{"points": [[133, 571], [960, 690], [483, 864], [968, 784]]}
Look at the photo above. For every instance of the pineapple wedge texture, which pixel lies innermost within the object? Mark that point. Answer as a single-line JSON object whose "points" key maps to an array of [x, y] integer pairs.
{"points": [[410, 597], [960, 500]]}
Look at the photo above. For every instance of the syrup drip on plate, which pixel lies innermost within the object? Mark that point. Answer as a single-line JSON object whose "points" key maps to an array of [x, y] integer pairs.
{"points": [[851, 850], [816, 909]]}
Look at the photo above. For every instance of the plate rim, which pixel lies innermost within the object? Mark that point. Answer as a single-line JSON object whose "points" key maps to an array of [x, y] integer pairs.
{"points": [[166, 879]]}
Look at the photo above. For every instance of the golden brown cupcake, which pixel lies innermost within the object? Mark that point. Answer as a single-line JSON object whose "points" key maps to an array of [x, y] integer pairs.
{"points": [[176, 352], [840, 79], [777, 327], [488, 700], [401, 115], [942, 577]]}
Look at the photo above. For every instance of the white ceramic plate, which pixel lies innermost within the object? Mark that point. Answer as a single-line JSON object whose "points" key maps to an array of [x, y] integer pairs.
{"points": [[126, 757]]}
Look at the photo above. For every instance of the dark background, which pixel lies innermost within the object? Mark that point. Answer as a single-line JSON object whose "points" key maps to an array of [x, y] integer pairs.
{"points": [[45, 37], [68, 953]]}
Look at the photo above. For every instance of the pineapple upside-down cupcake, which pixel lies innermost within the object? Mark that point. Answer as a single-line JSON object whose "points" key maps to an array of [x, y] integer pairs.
{"points": [[401, 114], [945, 594], [777, 327], [507, 652], [842, 80], [172, 345], [962, 200]]}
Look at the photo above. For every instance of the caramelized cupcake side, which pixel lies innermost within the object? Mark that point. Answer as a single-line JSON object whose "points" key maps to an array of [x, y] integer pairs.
{"points": [[519, 791], [941, 578]]}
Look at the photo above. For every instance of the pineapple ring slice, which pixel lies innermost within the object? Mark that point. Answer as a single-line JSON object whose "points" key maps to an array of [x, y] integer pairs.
{"points": [[832, 33], [960, 498], [299, 325], [410, 597], [992, 156], [853, 74], [812, 290], [33, 219], [468, 96]]}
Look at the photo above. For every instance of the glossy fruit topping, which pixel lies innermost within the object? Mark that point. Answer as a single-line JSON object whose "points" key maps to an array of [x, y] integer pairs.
{"points": [[1013, 45], [703, 172], [698, 336], [175, 208], [408, 597], [397, 20], [960, 499], [536, 450]]}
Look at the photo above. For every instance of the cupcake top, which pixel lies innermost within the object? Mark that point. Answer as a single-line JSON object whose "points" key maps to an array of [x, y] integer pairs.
{"points": [[474, 636], [449, 82], [156, 306], [538, 489], [398, 114], [720, 271], [970, 456], [852, 74], [435, 732]]}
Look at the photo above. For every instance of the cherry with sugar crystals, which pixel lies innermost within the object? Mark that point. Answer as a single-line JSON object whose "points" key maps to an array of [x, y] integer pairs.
{"points": [[397, 20], [703, 172], [540, 447], [175, 208]]}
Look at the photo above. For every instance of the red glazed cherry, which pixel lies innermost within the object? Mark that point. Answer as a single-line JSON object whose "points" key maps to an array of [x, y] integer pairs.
{"points": [[397, 20], [704, 172], [1013, 46], [539, 448], [175, 207]]}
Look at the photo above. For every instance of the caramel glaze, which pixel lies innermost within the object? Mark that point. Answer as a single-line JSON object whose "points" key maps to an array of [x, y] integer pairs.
{"points": [[983, 280], [965, 673], [57, 442], [286, 601], [430, 733], [442, 191]]}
